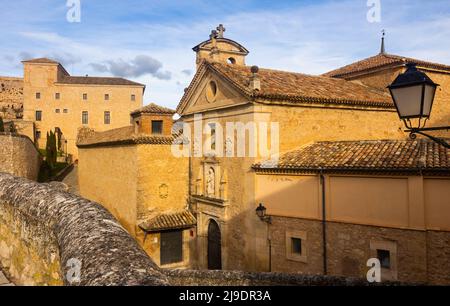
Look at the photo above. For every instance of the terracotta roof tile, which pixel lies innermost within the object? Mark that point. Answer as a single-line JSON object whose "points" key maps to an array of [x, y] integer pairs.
{"points": [[153, 108], [87, 80], [295, 87], [122, 136], [381, 61], [169, 221], [383, 155], [42, 60]]}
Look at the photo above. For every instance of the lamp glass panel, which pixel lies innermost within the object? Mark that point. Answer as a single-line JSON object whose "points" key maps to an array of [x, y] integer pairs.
{"points": [[428, 99], [408, 100]]}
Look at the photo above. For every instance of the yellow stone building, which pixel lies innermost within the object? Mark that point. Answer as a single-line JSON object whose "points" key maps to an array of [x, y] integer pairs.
{"points": [[308, 109], [132, 172], [54, 99], [346, 172]]}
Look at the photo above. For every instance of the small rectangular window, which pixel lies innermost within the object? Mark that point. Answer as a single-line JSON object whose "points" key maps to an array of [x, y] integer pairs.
{"points": [[38, 115], [85, 117], [296, 244], [107, 117], [57, 96], [157, 126], [65, 111], [106, 97], [57, 110], [38, 95], [384, 257], [85, 97], [171, 248], [212, 126], [38, 134], [133, 98]]}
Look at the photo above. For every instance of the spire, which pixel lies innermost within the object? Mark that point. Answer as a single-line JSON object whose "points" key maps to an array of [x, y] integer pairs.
{"points": [[383, 49]]}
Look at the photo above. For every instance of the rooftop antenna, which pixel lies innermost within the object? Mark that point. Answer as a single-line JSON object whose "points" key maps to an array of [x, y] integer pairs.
{"points": [[383, 49]]}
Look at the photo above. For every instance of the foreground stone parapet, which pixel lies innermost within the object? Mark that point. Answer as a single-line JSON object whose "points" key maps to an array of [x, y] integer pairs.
{"points": [[56, 228], [19, 156]]}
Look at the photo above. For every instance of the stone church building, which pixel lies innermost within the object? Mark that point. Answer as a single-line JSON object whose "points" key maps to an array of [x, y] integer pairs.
{"points": [[347, 111], [348, 184]]}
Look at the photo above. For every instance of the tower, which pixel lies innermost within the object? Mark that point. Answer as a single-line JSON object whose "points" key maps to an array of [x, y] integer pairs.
{"points": [[220, 49]]}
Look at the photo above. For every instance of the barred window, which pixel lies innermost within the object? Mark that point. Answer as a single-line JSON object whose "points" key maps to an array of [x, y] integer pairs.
{"points": [[85, 117], [38, 115], [107, 117]]}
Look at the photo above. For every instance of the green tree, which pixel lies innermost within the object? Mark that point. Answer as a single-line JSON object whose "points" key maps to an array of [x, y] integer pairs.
{"points": [[2, 126], [50, 150]]}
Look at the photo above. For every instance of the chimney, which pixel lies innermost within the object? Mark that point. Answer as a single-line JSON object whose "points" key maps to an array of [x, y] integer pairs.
{"points": [[255, 81]]}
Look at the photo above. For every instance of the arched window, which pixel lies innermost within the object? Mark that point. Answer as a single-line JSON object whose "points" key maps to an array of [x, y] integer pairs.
{"points": [[232, 60]]}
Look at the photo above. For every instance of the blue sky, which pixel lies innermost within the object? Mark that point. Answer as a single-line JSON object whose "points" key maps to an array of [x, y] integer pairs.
{"points": [[150, 41]]}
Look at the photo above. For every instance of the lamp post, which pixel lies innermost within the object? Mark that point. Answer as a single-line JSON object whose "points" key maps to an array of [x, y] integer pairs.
{"points": [[261, 213], [413, 93]]}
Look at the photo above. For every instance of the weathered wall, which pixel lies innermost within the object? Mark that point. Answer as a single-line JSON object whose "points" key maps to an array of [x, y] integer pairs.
{"points": [[412, 202], [237, 278], [11, 97], [19, 156], [421, 256], [108, 175], [134, 183], [303, 125], [43, 228], [440, 115]]}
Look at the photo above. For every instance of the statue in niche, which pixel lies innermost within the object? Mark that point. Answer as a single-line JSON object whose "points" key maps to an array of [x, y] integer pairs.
{"points": [[211, 183]]}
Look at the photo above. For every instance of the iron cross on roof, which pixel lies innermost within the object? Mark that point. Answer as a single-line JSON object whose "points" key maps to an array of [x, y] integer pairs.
{"points": [[220, 30]]}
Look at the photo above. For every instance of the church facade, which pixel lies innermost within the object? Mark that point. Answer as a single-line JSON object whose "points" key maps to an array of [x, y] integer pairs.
{"points": [[307, 109]]}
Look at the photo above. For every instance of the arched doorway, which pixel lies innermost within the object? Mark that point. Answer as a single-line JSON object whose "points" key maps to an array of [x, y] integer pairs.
{"points": [[214, 246]]}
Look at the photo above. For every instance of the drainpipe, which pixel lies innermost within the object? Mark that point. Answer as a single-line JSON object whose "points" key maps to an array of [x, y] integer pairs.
{"points": [[324, 223]]}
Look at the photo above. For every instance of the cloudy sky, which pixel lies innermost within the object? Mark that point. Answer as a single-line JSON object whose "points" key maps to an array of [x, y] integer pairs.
{"points": [[150, 41]]}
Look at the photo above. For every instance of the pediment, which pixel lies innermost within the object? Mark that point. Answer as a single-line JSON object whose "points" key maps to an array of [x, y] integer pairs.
{"points": [[212, 92]]}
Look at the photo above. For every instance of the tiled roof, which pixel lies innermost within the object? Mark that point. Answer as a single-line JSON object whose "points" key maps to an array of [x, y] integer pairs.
{"points": [[294, 87], [169, 221], [42, 60], [87, 80], [366, 156], [122, 136], [382, 60], [153, 108]]}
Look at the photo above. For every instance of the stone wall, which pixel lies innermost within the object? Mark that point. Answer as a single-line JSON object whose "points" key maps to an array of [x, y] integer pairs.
{"points": [[43, 231], [19, 156], [420, 256], [237, 278]]}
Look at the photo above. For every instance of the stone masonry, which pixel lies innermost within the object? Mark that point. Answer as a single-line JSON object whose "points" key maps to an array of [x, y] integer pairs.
{"points": [[19, 156]]}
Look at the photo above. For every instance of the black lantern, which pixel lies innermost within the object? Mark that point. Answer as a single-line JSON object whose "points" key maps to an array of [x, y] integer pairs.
{"points": [[413, 93], [261, 213]]}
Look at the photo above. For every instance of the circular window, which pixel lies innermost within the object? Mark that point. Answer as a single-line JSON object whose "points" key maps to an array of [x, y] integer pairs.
{"points": [[211, 91], [231, 60]]}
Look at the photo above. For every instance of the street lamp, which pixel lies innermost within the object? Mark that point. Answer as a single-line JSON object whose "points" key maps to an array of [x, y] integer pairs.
{"points": [[413, 93], [261, 213]]}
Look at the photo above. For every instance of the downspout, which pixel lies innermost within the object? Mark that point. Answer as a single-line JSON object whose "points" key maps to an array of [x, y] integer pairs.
{"points": [[324, 223]]}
